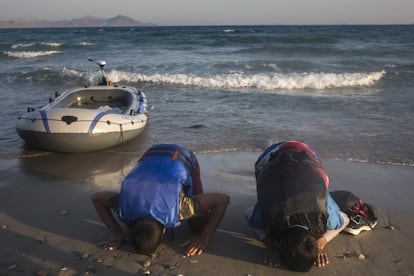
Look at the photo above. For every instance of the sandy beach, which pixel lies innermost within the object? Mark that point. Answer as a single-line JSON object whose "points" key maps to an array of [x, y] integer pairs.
{"points": [[49, 226]]}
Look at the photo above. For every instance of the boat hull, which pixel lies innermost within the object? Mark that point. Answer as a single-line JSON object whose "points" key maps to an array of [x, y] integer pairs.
{"points": [[77, 142]]}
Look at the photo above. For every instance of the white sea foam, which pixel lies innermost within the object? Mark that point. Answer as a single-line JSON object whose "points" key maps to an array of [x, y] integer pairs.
{"points": [[85, 44], [22, 45], [26, 45], [272, 81], [52, 44], [30, 54], [73, 73]]}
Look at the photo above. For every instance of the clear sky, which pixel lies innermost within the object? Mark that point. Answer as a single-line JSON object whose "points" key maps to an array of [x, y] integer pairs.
{"points": [[218, 12]]}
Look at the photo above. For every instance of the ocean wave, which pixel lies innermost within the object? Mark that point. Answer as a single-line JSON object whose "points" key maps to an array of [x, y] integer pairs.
{"points": [[85, 43], [29, 54], [267, 82], [51, 44], [273, 81], [31, 44], [22, 45], [402, 163]]}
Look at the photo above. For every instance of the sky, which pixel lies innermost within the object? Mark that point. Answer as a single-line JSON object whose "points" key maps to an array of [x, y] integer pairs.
{"points": [[218, 12]]}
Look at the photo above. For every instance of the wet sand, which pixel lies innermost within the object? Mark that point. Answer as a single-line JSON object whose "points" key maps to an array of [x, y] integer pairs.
{"points": [[49, 227]]}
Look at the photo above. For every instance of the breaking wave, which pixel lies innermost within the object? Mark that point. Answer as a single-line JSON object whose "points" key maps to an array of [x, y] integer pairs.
{"points": [[29, 54], [25, 45], [270, 81], [33, 50]]}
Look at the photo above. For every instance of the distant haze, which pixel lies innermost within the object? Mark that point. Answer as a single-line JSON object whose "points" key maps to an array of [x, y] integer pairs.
{"points": [[117, 21], [214, 12]]}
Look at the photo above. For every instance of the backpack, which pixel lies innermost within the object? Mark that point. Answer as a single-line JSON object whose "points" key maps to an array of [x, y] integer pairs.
{"points": [[363, 216]]}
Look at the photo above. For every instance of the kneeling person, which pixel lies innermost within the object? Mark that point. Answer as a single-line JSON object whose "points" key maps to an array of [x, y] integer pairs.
{"points": [[162, 190], [294, 215]]}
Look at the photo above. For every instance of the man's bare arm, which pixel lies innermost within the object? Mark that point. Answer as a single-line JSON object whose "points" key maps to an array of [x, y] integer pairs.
{"points": [[216, 204], [101, 202]]}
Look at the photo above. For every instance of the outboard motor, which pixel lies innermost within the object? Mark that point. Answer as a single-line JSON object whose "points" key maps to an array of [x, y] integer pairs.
{"points": [[101, 64]]}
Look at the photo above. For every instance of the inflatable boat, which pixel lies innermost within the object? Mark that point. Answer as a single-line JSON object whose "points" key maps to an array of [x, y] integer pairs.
{"points": [[86, 118]]}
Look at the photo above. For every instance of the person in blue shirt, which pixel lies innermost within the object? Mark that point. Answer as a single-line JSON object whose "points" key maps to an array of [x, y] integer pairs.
{"points": [[294, 216], [160, 192]]}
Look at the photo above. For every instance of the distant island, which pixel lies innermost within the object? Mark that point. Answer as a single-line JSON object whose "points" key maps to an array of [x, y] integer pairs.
{"points": [[87, 21]]}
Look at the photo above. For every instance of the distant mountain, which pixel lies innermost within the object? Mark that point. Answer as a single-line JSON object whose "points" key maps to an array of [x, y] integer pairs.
{"points": [[117, 21]]}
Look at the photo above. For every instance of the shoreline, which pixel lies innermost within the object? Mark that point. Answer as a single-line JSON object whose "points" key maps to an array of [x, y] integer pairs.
{"points": [[48, 224]]}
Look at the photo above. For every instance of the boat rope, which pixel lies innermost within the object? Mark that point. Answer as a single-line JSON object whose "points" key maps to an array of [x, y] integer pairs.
{"points": [[122, 133], [93, 122]]}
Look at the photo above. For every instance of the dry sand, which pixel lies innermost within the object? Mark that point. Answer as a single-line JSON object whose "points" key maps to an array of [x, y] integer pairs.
{"points": [[49, 227]]}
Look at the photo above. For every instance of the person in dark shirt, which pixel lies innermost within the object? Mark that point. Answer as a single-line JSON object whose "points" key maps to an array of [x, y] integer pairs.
{"points": [[294, 216]]}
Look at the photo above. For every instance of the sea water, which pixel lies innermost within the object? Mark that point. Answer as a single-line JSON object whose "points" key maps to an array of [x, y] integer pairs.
{"points": [[348, 91]]}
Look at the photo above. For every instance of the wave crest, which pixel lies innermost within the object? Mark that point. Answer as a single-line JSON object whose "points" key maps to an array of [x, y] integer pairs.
{"points": [[31, 44], [266, 82], [29, 54], [262, 81]]}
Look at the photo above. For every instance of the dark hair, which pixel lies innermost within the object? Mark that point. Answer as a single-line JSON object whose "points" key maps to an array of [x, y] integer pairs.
{"points": [[298, 249], [146, 235]]}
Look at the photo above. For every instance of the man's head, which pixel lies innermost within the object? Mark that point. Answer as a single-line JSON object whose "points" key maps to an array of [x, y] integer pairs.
{"points": [[298, 249], [146, 235]]}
